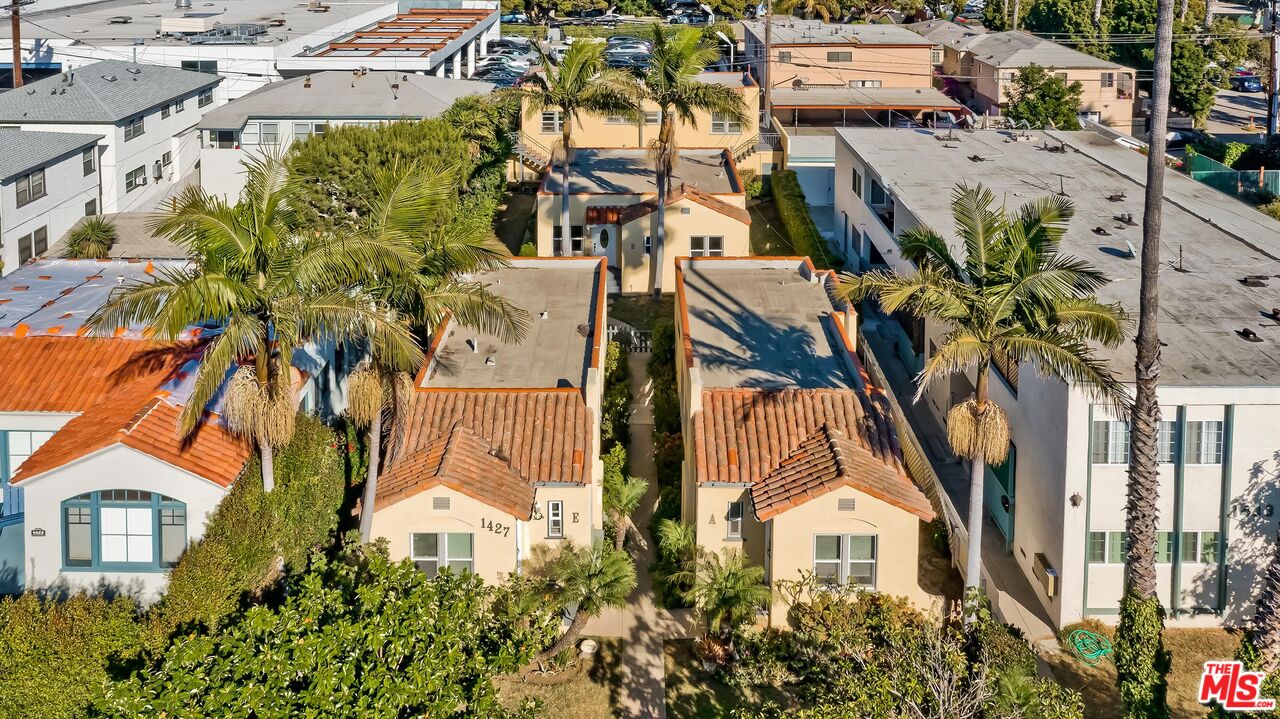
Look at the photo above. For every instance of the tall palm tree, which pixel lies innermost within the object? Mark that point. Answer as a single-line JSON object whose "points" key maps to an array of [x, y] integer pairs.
{"points": [[590, 579], [1013, 296], [1139, 647], [671, 83], [726, 589], [622, 497], [581, 83], [271, 284], [373, 393]]}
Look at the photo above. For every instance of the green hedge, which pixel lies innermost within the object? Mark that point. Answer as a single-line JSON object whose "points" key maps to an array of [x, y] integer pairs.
{"points": [[794, 211], [615, 420]]}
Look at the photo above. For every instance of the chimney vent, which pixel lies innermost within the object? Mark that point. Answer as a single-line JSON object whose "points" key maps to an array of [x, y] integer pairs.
{"points": [[473, 344], [543, 315], [489, 361]]}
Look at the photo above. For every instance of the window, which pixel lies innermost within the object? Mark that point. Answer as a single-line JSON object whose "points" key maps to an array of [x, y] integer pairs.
{"points": [[648, 245], [123, 528], [845, 559], [223, 139], [652, 117], [722, 124], [712, 246], [90, 208], [249, 135], [857, 182], [1166, 441], [866, 83], [733, 520], [133, 128], [179, 105], [432, 552], [839, 57], [89, 160], [205, 98], [30, 187], [575, 239], [1108, 79], [555, 519], [166, 159], [135, 178], [209, 66], [1164, 547], [1107, 547], [270, 133], [784, 56], [551, 121], [616, 120], [1204, 442], [1110, 442], [164, 111], [935, 56], [879, 196], [33, 244], [18, 446]]}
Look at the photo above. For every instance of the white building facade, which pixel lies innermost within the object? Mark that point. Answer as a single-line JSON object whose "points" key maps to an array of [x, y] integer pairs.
{"points": [[48, 182]]}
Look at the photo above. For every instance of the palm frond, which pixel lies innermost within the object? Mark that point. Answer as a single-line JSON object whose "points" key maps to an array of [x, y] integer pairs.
{"points": [[958, 352], [978, 224], [1057, 354]]}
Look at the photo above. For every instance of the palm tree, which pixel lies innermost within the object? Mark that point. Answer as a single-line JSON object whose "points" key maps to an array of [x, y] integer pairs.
{"points": [[589, 579], [270, 284], [621, 499], [91, 239], [671, 83], [727, 590], [581, 83], [373, 392], [1139, 648], [1013, 297]]}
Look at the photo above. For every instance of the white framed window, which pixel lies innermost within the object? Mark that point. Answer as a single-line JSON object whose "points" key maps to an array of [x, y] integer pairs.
{"points": [[249, 135], [706, 246], [166, 159], [432, 552], [270, 133], [1167, 441], [1108, 79], [845, 559], [143, 530], [33, 244], [722, 124], [205, 98], [551, 121], [555, 519], [179, 105], [648, 245], [576, 233], [30, 187], [18, 446], [733, 521], [135, 178], [134, 127], [868, 83], [1107, 547], [1204, 442], [1110, 442], [91, 208], [616, 120], [164, 111], [301, 130], [89, 160], [935, 56], [1201, 547]]}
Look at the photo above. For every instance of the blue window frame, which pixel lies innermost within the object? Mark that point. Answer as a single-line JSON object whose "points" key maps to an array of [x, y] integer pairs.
{"points": [[123, 529]]}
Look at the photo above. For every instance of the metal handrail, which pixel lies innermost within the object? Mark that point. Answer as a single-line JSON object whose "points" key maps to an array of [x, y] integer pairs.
{"points": [[746, 148]]}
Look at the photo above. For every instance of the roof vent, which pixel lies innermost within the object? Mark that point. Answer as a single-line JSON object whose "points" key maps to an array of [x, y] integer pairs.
{"points": [[1254, 280], [134, 70], [1126, 218], [473, 344], [1248, 335], [109, 78], [1116, 197], [977, 158], [544, 315], [1275, 313], [584, 329], [490, 361]]}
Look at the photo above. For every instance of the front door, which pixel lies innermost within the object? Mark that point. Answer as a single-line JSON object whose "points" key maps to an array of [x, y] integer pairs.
{"points": [[999, 489], [605, 244]]}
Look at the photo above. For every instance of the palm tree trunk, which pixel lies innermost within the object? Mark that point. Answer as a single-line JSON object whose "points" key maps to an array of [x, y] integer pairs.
{"points": [[1097, 13], [977, 476], [567, 639], [619, 532], [766, 76], [268, 466], [566, 240], [665, 138], [1266, 620], [371, 481]]}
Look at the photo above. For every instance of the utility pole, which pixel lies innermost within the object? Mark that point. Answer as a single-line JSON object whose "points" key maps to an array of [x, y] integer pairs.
{"points": [[1273, 79], [15, 37], [766, 73]]}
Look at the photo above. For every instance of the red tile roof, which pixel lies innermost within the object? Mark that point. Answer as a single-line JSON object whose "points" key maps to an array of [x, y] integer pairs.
{"points": [[69, 374], [741, 435], [828, 460], [463, 461], [685, 192]]}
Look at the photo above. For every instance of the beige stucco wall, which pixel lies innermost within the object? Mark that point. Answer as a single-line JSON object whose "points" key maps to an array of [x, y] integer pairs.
{"points": [[897, 544], [992, 86], [893, 66], [711, 512], [700, 220]]}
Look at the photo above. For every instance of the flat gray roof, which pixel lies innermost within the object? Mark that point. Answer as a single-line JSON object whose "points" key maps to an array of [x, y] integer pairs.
{"points": [[945, 32], [630, 172], [147, 20], [555, 353], [1019, 49], [795, 31], [57, 296], [343, 94], [1214, 239], [861, 98], [26, 150], [133, 240], [761, 324], [103, 92]]}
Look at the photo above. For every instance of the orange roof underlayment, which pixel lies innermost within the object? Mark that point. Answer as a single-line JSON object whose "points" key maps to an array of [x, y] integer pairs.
{"points": [[415, 33]]}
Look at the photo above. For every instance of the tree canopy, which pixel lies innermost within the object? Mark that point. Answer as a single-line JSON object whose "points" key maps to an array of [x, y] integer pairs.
{"points": [[1040, 98]]}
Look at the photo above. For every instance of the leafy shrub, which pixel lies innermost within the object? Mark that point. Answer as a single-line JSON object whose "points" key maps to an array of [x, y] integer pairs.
{"points": [[1002, 648], [763, 658], [1271, 209], [54, 654], [91, 239], [662, 370], [615, 420], [752, 185], [528, 249], [794, 211]]}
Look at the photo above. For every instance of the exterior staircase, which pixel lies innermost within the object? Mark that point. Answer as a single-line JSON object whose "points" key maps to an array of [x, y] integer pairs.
{"points": [[532, 153]]}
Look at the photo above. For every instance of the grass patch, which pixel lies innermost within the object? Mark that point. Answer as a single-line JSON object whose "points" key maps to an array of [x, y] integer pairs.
{"points": [[768, 234], [694, 693], [591, 694], [641, 312], [1190, 648]]}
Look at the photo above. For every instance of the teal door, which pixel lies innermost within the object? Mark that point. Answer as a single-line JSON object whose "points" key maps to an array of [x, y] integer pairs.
{"points": [[1000, 489]]}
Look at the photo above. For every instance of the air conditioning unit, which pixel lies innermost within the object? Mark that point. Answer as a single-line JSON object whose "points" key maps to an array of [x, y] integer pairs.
{"points": [[157, 170]]}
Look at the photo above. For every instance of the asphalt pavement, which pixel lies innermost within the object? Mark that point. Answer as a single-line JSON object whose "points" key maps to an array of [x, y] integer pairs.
{"points": [[1232, 111]]}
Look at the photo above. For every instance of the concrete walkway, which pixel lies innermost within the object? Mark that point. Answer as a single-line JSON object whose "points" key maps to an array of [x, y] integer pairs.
{"points": [[643, 626]]}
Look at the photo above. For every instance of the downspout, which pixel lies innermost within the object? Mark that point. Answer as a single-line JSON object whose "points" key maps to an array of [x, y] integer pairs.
{"points": [[1224, 522], [1088, 505], [1179, 481]]}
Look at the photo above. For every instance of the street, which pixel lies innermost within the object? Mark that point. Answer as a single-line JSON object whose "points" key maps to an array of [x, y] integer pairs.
{"points": [[1231, 114]]}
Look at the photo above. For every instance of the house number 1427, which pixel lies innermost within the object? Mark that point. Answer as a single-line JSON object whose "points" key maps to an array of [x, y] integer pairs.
{"points": [[495, 527]]}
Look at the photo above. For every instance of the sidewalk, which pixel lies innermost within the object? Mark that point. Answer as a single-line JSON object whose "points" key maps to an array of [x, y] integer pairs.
{"points": [[643, 626]]}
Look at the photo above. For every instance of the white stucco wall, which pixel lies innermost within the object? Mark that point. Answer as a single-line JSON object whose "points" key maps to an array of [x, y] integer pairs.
{"points": [[67, 189]]}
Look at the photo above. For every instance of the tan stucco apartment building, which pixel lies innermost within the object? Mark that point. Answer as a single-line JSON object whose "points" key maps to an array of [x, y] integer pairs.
{"points": [[499, 460], [613, 211], [980, 67], [790, 454]]}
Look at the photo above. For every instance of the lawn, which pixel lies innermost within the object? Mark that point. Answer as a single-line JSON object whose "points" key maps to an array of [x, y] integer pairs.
{"points": [[589, 694], [768, 235], [1190, 649], [694, 693], [641, 312]]}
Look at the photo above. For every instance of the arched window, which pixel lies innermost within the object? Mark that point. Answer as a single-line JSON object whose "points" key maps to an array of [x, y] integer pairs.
{"points": [[124, 529]]}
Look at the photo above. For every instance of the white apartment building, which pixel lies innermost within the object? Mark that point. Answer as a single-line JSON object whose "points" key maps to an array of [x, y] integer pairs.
{"points": [[146, 115], [251, 44], [48, 182], [271, 118], [1059, 501]]}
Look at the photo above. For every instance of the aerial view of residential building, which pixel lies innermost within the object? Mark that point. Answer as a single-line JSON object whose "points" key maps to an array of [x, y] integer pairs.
{"points": [[145, 114], [48, 181]]}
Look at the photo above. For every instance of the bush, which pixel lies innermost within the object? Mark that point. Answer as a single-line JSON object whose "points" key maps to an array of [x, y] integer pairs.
{"points": [[1271, 209], [794, 211], [763, 658], [752, 185], [662, 370], [528, 249], [91, 239], [54, 654], [1002, 648], [615, 415]]}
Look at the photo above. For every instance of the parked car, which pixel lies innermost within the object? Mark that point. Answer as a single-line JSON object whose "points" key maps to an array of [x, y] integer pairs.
{"points": [[1245, 83], [514, 18], [514, 42], [1176, 139]]}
